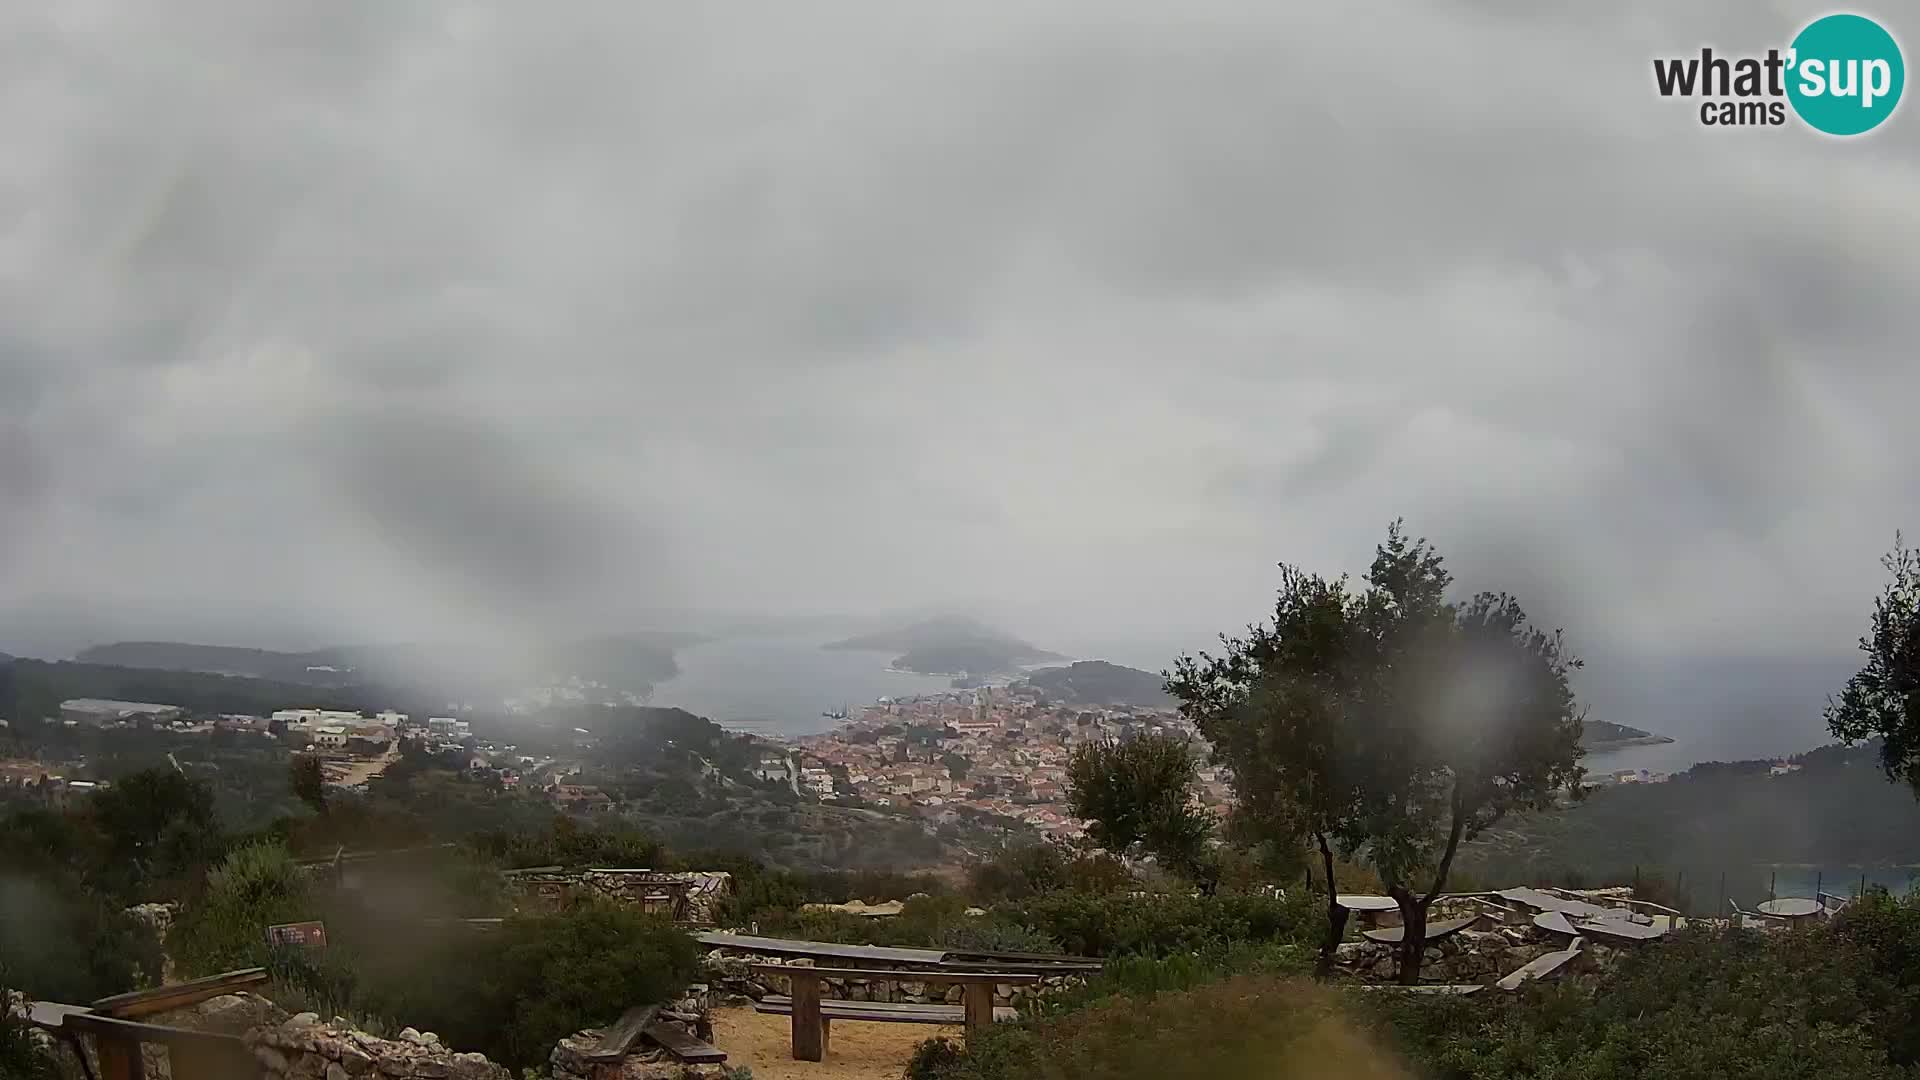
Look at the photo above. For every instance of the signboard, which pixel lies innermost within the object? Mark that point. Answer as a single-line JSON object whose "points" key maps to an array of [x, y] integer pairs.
{"points": [[304, 935]]}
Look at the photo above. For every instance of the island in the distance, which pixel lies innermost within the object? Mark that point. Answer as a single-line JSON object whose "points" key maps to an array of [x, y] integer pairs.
{"points": [[1097, 682], [952, 645], [1599, 735]]}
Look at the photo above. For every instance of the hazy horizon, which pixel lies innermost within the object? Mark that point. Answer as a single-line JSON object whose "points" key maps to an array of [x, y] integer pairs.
{"points": [[377, 322]]}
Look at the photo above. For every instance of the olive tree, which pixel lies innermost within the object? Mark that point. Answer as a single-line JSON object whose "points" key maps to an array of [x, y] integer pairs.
{"points": [[1883, 698], [1390, 721]]}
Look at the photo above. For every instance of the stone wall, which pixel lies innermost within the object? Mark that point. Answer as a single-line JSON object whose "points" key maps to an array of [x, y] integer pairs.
{"points": [[726, 973], [303, 1048]]}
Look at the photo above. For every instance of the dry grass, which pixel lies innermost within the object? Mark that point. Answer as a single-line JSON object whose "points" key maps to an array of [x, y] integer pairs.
{"points": [[858, 1051]]}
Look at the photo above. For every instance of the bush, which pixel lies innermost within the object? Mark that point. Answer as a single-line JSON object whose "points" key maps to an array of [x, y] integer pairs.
{"points": [[1163, 923], [61, 942], [541, 979], [1700, 1006], [1244, 1027], [21, 1055], [1020, 871], [255, 887]]}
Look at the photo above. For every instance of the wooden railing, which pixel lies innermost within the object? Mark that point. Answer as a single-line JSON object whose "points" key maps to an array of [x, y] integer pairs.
{"points": [[111, 1024], [191, 1055]]}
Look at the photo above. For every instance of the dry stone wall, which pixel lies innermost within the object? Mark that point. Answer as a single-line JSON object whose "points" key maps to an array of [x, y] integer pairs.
{"points": [[727, 973], [303, 1048]]}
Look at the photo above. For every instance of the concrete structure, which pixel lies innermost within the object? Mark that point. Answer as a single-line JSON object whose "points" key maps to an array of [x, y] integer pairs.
{"points": [[102, 711], [306, 719]]}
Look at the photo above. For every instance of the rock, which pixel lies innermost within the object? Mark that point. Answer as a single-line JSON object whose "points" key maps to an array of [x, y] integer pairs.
{"points": [[355, 1060], [270, 1059], [431, 1067], [336, 1071], [308, 1019], [394, 1063], [1352, 951], [1383, 968]]}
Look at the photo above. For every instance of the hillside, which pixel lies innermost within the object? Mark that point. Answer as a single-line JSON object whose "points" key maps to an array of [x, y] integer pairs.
{"points": [[951, 645], [321, 667], [31, 689], [1604, 735], [1097, 682], [1836, 811], [618, 664]]}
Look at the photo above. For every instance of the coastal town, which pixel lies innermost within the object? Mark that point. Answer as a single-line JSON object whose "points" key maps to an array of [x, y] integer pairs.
{"points": [[995, 752]]}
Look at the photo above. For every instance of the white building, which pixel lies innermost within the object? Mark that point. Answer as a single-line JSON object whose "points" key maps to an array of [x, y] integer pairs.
{"points": [[447, 727], [308, 719], [330, 737]]}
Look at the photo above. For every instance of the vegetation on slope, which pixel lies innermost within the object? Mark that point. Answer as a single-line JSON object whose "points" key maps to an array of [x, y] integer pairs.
{"points": [[1097, 682]]}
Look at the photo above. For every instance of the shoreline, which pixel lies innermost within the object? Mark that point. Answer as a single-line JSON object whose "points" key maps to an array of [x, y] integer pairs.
{"points": [[1621, 744]]}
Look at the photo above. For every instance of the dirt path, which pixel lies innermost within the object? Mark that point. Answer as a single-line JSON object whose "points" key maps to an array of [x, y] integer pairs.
{"points": [[858, 1051], [364, 770]]}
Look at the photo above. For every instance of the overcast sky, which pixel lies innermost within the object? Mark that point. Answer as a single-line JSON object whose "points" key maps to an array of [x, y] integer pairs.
{"points": [[364, 321]]}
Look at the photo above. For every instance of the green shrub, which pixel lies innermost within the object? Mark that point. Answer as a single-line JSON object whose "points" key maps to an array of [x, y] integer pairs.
{"points": [[1699, 1006], [1162, 923], [541, 979], [1240, 1028], [21, 1055], [255, 887]]}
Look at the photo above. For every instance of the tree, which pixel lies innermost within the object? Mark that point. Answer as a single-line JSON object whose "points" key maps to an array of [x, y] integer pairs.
{"points": [[1883, 697], [1272, 706], [957, 766], [1390, 721], [308, 781], [160, 823], [1140, 791]]}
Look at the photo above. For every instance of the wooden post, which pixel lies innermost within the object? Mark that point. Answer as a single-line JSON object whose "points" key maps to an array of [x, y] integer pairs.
{"points": [[1773, 880], [1680, 893], [979, 1001], [119, 1057], [809, 1029]]}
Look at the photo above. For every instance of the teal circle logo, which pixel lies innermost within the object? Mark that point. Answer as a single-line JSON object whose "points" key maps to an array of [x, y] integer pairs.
{"points": [[1846, 74]]}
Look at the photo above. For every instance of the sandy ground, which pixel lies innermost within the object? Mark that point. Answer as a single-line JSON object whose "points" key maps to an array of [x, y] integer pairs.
{"points": [[857, 1050]]}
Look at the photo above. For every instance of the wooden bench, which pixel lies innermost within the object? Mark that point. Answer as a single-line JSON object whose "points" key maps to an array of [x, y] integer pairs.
{"points": [[1393, 935], [638, 1023], [812, 1016], [1543, 966]]}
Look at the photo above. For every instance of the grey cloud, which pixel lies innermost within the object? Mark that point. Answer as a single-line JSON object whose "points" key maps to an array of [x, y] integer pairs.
{"points": [[1083, 315]]}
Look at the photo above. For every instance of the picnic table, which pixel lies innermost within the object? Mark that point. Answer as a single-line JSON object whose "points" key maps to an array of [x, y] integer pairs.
{"points": [[813, 1016], [1373, 910], [1393, 935], [1795, 910]]}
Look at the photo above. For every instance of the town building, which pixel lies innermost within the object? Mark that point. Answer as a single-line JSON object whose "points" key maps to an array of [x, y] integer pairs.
{"points": [[100, 712]]}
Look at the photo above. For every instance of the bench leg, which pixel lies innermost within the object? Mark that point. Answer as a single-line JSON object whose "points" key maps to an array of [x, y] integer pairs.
{"points": [[119, 1058], [826, 1036], [979, 1002], [809, 1027]]}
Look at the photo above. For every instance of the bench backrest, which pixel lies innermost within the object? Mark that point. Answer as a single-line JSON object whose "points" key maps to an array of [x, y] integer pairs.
{"points": [[1018, 978]]}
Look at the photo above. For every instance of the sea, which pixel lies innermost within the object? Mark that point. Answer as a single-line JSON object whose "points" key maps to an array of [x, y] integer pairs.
{"points": [[782, 685]]}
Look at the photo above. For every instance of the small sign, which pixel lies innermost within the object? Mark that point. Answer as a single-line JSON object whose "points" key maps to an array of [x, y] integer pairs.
{"points": [[304, 935]]}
